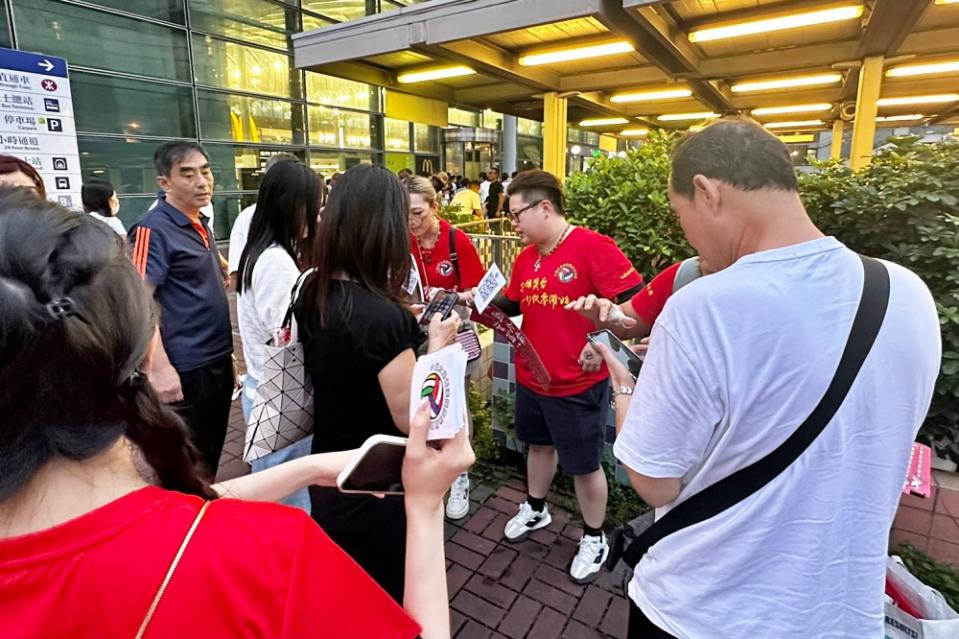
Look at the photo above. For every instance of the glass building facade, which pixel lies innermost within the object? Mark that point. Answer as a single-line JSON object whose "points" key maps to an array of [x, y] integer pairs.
{"points": [[215, 71]]}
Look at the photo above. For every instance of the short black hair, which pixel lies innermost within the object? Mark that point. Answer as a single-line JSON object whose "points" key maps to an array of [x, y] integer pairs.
{"points": [[169, 153], [737, 151], [538, 185], [96, 195], [474, 183]]}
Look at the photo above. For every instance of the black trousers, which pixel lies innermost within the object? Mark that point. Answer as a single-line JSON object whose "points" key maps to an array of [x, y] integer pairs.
{"points": [[207, 394], [640, 627], [372, 531]]}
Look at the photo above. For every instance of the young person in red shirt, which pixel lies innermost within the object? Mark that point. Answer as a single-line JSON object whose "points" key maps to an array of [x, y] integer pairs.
{"points": [[566, 421], [445, 259], [108, 528]]}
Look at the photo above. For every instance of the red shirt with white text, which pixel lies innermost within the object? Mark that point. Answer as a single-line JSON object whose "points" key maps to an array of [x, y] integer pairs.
{"points": [[585, 263]]}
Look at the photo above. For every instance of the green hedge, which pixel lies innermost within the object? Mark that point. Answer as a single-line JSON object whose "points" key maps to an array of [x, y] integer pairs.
{"points": [[902, 207]]}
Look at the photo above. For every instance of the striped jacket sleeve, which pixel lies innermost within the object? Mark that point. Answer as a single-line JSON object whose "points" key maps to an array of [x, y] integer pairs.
{"points": [[150, 255]]}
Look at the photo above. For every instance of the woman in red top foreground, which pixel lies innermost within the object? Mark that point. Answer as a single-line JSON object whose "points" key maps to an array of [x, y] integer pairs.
{"points": [[99, 492]]}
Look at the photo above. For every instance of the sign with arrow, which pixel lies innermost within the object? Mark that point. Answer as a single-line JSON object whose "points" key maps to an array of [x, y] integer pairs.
{"points": [[36, 121]]}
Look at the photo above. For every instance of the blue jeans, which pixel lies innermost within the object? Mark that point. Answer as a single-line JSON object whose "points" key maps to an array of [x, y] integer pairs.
{"points": [[301, 498]]}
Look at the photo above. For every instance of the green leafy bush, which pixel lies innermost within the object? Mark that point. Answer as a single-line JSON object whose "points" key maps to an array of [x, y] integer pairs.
{"points": [[626, 199], [486, 448], [454, 214], [942, 577], [903, 208]]}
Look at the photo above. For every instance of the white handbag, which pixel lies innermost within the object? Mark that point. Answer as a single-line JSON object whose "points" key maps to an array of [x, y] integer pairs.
{"points": [[282, 411]]}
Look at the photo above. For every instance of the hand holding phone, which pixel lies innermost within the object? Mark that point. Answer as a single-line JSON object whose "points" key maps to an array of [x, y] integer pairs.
{"points": [[623, 353], [377, 467], [443, 304]]}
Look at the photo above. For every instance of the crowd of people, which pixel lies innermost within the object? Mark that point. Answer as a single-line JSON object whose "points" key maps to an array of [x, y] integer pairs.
{"points": [[117, 377]]}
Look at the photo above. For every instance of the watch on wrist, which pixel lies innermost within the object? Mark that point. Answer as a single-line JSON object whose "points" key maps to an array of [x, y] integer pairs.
{"points": [[622, 390]]}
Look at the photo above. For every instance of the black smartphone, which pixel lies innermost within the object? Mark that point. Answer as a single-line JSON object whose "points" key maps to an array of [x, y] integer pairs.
{"points": [[623, 353], [443, 304], [378, 468]]}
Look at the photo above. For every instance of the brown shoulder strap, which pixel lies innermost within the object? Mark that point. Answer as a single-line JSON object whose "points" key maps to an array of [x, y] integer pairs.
{"points": [[169, 573]]}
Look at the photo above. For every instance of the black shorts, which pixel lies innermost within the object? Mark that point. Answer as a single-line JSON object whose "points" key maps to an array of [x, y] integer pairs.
{"points": [[575, 425]]}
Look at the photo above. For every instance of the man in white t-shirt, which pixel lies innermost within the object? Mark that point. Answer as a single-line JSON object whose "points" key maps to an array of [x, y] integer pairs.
{"points": [[737, 360]]}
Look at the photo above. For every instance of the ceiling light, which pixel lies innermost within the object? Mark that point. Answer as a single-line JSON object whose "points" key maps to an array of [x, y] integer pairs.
{"points": [[603, 121], [947, 1], [794, 108], [950, 66], [919, 99], [647, 96], [787, 83], [797, 137], [791, 21], [677, 117], [634, 133], [795, 124], [576, 53], [433, 74], [902, 118]]}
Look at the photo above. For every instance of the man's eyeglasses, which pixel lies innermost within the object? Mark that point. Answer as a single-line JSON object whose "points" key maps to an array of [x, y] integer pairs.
{"points": [[514, 215]]}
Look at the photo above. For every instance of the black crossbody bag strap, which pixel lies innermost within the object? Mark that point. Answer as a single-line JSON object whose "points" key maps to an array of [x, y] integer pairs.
{"points": [[454, 257], [735, 488]]}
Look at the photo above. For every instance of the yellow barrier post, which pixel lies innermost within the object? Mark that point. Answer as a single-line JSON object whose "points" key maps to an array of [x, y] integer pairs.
{"points": [[554, 134], [867, 97], [835, 149]]}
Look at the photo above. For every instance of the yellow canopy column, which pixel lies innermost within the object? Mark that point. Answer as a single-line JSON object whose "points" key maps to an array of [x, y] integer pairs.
{"points": [[835, 149], [864, 128], [554, 134]]}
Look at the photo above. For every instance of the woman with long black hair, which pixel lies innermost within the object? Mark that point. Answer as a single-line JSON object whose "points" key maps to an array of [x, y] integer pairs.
{"points": [[280, 233], [359, 342], [106, 525]]}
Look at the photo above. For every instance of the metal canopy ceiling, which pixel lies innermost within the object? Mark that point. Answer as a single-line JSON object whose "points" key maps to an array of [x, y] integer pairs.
{"points": [[489, 36]]}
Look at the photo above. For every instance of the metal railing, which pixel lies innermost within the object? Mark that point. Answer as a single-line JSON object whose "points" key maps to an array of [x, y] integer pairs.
{"points": [[499, 247]]}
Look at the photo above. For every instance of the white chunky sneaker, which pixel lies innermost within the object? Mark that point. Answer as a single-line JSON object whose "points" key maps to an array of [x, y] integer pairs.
{"points": [[526, 521], [589, 559], [458, 505]]}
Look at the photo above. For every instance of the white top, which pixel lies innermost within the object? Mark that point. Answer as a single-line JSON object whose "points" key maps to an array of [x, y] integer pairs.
{"points": [[113, 222], [260, 308], [241, 229], [738, 360], [484, 191]]}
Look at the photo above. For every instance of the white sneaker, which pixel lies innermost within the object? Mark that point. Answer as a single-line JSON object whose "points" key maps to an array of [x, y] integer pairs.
{"points": [[458, 505], [589, 559], [526, 521]]}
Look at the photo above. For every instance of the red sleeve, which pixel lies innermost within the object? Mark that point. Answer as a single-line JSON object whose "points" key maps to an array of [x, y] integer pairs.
{"points": [[649, 302], [471, 268], [512, 291], [331, 596], [611, 272]]}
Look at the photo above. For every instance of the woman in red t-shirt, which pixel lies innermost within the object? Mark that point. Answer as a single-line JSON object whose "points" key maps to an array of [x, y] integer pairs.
{"points": [[430, 235], [107, 529]]}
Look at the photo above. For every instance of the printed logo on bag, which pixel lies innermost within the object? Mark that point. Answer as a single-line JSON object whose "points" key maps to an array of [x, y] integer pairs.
{"points": [[566, 273], [436, 388], [445, 268]]}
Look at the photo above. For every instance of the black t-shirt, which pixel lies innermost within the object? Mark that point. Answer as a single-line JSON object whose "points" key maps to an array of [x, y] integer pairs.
{"points": [[363, 333], [495, 190]]}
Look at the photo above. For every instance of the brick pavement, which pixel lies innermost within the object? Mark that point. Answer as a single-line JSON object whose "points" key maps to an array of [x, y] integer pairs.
{"points": [[498, 589]]}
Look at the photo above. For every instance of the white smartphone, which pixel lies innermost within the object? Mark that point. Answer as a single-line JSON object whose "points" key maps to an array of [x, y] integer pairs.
{"points": [[377, 468], [620, 351]]}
